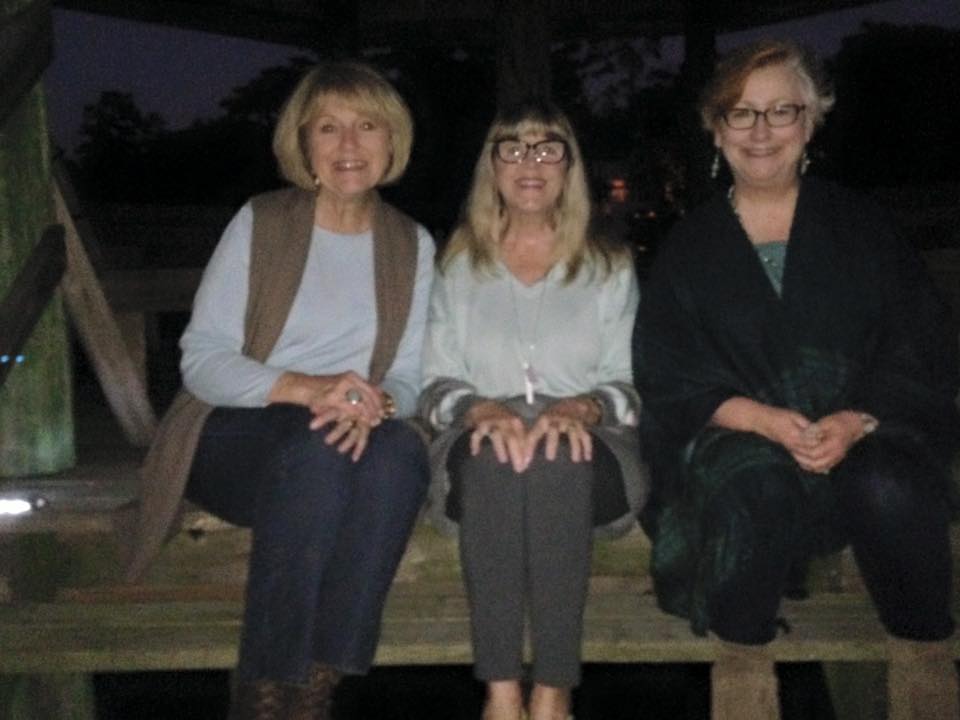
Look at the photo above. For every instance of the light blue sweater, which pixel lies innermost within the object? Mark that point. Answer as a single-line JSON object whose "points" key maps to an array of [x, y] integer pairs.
{"points": [[330, 329]]}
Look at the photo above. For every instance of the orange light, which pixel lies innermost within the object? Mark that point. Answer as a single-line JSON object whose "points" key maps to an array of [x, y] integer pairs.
{"points": [[618, 190]]}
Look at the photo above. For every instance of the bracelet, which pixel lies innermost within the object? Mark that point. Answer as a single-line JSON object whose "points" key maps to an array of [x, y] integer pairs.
{"points": [[597, 406], [462, 406]]}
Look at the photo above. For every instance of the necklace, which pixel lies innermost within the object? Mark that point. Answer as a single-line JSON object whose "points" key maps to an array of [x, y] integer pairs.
{"points": [[528, 341]]}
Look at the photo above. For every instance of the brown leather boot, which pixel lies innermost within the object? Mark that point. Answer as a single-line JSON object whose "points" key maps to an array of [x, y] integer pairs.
{"points": [[744, 683], [921, 680], [315, 701], [260, 700]]}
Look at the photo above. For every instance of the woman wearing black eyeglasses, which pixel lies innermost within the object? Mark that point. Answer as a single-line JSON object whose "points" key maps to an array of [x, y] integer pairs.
{"points": [[798, 381], [527, 372]]}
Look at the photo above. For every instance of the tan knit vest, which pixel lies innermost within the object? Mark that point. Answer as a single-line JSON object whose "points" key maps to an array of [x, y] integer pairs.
{"points": [[282, 228]]}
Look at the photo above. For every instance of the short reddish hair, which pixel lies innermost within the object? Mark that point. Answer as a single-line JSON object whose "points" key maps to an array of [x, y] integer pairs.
{"points": [[730, 76]]}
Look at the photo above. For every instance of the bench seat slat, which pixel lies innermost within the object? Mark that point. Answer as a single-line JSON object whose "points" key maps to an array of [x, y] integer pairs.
{"points": [[621, 626]]}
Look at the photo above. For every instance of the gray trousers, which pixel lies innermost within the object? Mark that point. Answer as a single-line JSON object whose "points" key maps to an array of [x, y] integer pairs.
{"points": [[525, 547]]}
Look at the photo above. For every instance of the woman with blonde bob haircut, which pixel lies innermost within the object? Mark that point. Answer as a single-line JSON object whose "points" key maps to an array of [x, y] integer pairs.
{"points": [[304, 343], [527, 370], [361, 87]]}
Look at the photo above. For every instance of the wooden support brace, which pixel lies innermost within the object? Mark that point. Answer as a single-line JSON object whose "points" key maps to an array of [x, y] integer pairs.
{"points": [[100, 334]]}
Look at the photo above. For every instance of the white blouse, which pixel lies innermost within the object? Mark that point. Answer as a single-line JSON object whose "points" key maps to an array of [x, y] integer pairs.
{"points": [[488, 329]]}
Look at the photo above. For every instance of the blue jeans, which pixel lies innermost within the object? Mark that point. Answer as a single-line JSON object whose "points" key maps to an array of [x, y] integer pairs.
{"points": [[328, 533]]}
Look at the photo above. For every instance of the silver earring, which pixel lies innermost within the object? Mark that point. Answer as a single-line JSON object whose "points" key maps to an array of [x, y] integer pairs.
{"points": [[804, 162], [715, 165], [316, 182]]}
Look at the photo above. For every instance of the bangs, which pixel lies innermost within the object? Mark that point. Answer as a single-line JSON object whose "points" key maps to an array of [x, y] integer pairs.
{"points": [[530, 126], [361, 100]]}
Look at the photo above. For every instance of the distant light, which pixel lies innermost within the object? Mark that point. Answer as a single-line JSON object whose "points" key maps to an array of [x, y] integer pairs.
{"points": [[16, 506], [618, 190]]}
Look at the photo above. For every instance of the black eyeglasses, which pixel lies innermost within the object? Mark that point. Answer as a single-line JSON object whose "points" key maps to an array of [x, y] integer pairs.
{"points": [[549, 152], [742, 118]]}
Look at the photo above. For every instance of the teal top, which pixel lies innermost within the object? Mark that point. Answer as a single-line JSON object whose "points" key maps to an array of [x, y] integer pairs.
{"points": [[772, 256]]}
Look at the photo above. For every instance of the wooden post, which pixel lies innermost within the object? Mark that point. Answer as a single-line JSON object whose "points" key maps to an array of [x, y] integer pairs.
{"points": [[523, 55], [36, 408], [47, 697], [699, 32]]}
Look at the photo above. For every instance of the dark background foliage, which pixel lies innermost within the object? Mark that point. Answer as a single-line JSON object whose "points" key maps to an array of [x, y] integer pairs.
{"points": [[894, 124]]}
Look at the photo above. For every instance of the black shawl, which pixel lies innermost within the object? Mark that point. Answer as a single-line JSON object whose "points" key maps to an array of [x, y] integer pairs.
{"points": [[858, 326]]}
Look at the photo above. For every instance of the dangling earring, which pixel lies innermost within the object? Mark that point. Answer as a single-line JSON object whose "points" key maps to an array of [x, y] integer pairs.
{"points": [[316, 182], [715, 165], [804, 162]]}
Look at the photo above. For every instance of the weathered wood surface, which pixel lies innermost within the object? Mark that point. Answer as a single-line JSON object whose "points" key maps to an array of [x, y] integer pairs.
{"points": [[120, 378], [29, 294], [36, 414], [186, 614], [423, 624]]}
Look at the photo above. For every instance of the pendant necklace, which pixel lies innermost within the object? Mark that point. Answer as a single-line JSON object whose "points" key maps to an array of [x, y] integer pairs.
{"points": [[528, 342]]}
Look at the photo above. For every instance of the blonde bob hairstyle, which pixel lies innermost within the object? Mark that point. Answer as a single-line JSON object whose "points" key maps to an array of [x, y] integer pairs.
{"points": [[483, 221], [730, 77], [367, 92]]}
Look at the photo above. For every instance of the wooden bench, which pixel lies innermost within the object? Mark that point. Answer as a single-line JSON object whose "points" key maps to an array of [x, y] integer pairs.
{"points": [[67, 614]]}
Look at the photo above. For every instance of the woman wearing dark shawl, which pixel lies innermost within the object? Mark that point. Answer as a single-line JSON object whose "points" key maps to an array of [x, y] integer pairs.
{"points": [[798, 379]]}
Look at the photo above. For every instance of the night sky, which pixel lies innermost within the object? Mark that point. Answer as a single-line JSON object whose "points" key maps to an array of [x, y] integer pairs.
{"points": [[182, 75]]}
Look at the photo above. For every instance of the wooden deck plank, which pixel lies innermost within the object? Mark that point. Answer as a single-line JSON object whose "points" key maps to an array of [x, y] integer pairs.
{"points": [[621, 626], [187, 612]]}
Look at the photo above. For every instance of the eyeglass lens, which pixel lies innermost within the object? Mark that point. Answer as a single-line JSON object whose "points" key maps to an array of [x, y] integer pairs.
{"points": [[741, 118], [545, 151]]}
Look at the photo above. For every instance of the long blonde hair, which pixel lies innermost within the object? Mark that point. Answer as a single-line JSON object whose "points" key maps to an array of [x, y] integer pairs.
{"points": [[483, 219]]}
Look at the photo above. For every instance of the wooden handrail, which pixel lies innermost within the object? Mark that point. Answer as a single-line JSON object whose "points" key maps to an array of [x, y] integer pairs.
{"points": [[29, 295]]}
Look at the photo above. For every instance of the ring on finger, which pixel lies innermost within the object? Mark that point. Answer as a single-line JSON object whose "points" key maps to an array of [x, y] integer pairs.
{"points": [[353, 396]]}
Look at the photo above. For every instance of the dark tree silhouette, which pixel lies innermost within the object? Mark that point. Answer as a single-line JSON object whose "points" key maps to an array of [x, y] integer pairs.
{"points": [[113, 158], [895, 121]]}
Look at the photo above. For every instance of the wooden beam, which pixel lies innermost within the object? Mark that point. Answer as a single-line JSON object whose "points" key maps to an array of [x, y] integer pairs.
{"points": [[425, 625], [29, 296], [523, 53], [418, 23], [102, 340]]}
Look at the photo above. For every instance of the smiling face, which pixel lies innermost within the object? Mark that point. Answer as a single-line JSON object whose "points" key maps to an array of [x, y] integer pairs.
{"points": [[765, 156], [529, 187], [348, 151]]}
